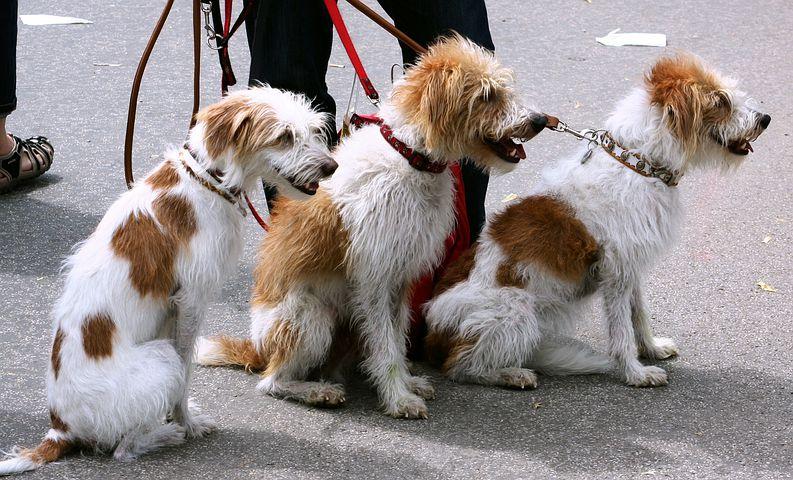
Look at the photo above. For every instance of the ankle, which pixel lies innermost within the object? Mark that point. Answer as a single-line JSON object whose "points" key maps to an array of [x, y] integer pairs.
{"points": [[7, 145]]}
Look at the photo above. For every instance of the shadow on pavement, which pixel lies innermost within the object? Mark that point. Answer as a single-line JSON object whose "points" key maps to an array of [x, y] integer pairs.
{"points": [[36, 236]]}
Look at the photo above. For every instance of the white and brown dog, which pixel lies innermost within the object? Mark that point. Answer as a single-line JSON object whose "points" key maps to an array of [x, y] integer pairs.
{"points": [[346, 259], [137, 288], [596, 222]]}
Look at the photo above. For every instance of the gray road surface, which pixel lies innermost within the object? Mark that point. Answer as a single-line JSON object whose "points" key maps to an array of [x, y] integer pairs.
{"points": [[728, 410]]}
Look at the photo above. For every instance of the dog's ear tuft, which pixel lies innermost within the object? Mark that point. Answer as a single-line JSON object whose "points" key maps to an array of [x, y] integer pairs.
{"points": [[240, 123]]}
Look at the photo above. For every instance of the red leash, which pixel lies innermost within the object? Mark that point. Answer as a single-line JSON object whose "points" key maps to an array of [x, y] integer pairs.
{"points": [[344, 36]]}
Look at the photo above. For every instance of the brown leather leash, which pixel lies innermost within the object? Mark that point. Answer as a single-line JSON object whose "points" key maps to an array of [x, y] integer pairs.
{"points": [[200, 8]]}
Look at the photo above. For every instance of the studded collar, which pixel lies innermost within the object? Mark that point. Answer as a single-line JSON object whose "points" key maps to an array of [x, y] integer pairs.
{"points": [[636, 161]]}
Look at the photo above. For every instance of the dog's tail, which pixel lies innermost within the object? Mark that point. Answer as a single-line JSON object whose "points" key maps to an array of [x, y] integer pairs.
{"points": [[54, 446], [225, 351], [565, 356]]}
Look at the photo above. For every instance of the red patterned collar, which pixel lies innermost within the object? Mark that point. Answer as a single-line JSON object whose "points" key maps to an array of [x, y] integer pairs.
{"points": [[416, 160]]}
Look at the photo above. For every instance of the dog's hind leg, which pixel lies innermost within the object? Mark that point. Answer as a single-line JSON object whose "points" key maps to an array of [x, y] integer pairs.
{"points": [[295, 338], [138, 442], [649, 346], [493, 342]]}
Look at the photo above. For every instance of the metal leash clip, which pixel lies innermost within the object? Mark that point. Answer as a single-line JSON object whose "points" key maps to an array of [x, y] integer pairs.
{"points": [[212, 36]]}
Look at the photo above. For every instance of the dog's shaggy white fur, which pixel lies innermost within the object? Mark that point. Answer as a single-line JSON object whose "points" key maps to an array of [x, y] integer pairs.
{"points": [[137, 288], [345, 261], [591, 225]]}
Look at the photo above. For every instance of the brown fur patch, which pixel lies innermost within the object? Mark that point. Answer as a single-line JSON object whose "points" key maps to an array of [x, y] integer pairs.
{"points": [[55, 355], [176, 216], [239, 352], [98, 333], [57, 423], [506, 276], [279, 345], [239, 123], [48, 451], [692, 96], [150, 249], [458, 346], [457, 272], [443, 348], [543, 231], [164, 177], [306, 239]]}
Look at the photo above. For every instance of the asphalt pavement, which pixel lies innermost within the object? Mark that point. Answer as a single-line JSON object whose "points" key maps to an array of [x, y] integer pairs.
{"points": [[728, 409]]}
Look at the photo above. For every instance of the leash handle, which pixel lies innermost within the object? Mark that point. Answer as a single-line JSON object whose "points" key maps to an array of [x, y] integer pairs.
{"points": [[344, 36]]}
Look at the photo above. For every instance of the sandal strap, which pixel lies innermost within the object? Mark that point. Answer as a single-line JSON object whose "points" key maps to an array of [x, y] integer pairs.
{"points": [[40, 152]]}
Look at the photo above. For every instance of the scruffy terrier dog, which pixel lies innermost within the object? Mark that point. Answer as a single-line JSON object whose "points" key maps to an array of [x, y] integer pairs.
{"points": [[596, 223], [346, 259], [137, 288]]}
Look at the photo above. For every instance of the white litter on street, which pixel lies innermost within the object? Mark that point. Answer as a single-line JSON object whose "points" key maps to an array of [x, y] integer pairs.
{"points": [[52, 20], [614, 39]]}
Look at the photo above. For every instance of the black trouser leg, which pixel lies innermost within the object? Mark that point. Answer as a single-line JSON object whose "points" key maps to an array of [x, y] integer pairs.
{"points": [[424, 21], [290, 47], [8, 56]]}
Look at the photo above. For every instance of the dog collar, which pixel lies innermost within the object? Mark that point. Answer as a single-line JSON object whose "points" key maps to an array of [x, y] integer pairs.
{"points": [[417, 160], [231, 196], [637, 162]]}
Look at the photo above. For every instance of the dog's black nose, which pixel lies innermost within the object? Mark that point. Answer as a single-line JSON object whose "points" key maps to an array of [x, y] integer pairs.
{"points": [[329, 167], [765, 119], [538, 122]]}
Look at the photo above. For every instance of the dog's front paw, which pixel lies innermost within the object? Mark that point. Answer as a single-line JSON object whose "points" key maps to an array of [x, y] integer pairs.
{"points": [[647, 377], [520, 378], [327, 395], [409, 406], [197, 424], [422, 387], [660, 349]]}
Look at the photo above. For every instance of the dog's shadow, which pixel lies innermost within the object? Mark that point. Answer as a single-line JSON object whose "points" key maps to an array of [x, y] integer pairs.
{"points": [[572, 425], [581, 424]]}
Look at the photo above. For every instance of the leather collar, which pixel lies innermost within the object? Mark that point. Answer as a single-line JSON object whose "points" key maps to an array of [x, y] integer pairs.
{"points": [[232, 196], [417, 160], [637, 162]]}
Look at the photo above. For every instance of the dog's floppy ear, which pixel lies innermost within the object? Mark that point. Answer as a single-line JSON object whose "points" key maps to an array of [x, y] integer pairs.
{"points": [[686, 93], [242, 124]]}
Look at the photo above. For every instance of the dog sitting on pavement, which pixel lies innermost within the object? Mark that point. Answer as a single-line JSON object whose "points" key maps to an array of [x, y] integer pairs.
{"points": [[346, 259], [595, 223], [137, 289]]}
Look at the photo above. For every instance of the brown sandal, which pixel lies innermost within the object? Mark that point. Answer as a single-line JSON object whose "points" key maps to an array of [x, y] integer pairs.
{"points": [[38, 150]]}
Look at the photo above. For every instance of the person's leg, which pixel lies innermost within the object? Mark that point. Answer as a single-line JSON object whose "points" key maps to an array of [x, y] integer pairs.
{"points": [[290, 45], [8, 69], [19, 159], [424, 21]]}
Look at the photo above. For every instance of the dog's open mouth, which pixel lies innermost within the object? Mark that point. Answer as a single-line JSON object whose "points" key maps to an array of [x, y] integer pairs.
{"points": [[507, 149], [740, 147], [309, 188]]}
